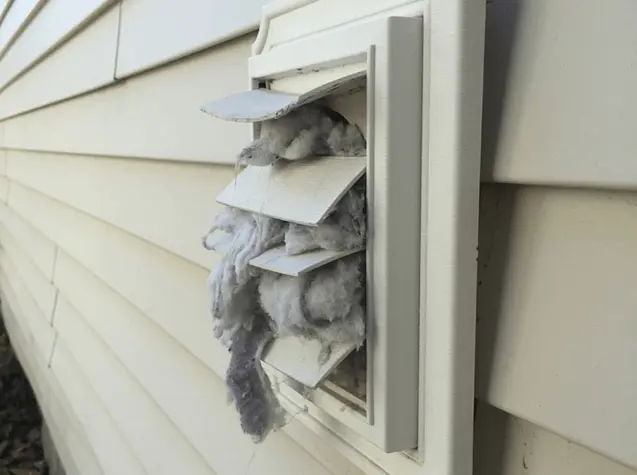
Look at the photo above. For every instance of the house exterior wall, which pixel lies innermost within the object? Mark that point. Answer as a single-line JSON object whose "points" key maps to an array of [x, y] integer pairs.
{"points": [[108, 178]]}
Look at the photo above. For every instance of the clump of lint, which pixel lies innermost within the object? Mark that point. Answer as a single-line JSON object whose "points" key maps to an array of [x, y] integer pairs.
{"points": [[309, 131], [326, 304], [343, 230], [233, 282], [248, 384], [252, 307]]}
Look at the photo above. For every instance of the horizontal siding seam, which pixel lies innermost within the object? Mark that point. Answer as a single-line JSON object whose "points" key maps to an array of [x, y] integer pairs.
{"points": [[149, 395], [59, 101], [108, 415], [165, 64], [26, 363], [116, 79], [3, 14], [97, 218], [115, 291], [570, 437], [43, 394], [53, 47], [106, 155], [78, 428], [152, 321], [187, 55], [23, 26]]}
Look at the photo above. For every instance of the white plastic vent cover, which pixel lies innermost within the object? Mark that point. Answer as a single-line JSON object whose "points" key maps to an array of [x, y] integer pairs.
{"points": [[276, 260], [302, 192], [383, 58], [286, 94]]}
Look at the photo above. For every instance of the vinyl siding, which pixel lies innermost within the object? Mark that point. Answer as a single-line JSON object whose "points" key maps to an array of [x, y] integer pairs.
{"points": [[17, 18], [104, 280], [154, 31], [106, 187], [155, 115], [55, 23], [54, 79]]}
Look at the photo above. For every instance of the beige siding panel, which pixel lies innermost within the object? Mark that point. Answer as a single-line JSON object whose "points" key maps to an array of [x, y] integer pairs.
{"points": [[155, 115], [40, 249], [560, 98], [142, 273], [192, 397], [3, 162], [155, 32], [56, 22], [170, 204], [76, 455], [43, 333], [71, 431], [506, 445], [556, 330], [39, 286], [82, 64], [18, 311], [141, 421], [15, 318], [20, 13], [4, 8], [112, 451]]}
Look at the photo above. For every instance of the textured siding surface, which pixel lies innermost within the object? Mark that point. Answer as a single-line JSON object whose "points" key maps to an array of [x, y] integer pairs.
{"points": [[556, 330], [102, 271], [106, 187]]}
